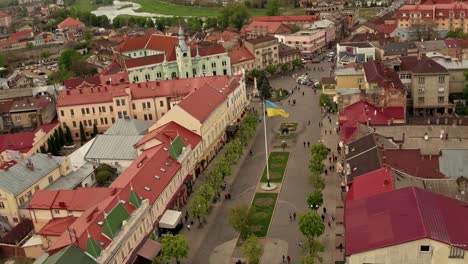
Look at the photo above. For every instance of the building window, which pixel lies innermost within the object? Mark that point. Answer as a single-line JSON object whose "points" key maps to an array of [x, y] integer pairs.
{"points": [[123, 101], [214, 73], [150, 116], [225, 72], [77, 135], [145, 117], [148, 105], [173, 75], [203, 67], [213, 65], [72, 113], [194, 72], [224, 63], [441, 79], [143, 105], [441, 99], [161, 103], [21, 200], [113, 120], [133, 106], [57, 211], [136, 79], [119, 114], [456, 252], [425, 248], [62, 113], [85, 122], [51, 179], [74, 123], [87, 111], [2, 205], [29, 194], [117, 102], [421, 90], [421, 80], [158, 74], [421, 100], [147, 76], [111, 109]]}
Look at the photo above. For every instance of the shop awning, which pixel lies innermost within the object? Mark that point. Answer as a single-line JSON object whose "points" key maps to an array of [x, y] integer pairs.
{"points": [[170, 219], [150, 249]]}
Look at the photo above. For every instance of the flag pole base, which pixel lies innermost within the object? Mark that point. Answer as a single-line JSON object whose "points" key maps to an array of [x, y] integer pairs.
{"points": [[268, 187]]}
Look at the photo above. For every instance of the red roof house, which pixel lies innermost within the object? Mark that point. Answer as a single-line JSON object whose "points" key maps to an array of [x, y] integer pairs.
{"points": [[287, 19], [241, 55], [261, 28], [21, 35], [405, 215], [370, 184], [70, 24]]}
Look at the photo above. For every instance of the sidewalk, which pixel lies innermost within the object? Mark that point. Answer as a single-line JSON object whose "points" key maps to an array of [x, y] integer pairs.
{"points": [[333, 235]]}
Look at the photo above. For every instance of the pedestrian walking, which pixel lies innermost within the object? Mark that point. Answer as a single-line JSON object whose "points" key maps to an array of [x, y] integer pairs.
{"points": [[251, 153], [294, 216], [283, 258], [329, 224], [188, 227], [323, 218], [324, 210], [290, 217], [289, 102], [325, 131], [309, 122], [289, 259], [326, 172], [186, 217], [302, 93], [308, 144], [341, 247], [329, 159], [304, 144], [300, 244]]}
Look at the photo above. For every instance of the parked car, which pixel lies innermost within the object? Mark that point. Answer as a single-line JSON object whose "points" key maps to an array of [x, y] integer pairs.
{"points": [[316, 60]]}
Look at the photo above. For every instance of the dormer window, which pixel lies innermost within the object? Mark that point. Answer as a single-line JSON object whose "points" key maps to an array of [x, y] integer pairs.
{"points": [[185, 54]]}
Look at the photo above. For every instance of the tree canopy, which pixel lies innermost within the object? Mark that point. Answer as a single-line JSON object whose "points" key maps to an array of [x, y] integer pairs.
{"points": [[311, 225], [315, 199], [174, 247], [234, 14], [273, 7], [252, 249], [240, 219]]}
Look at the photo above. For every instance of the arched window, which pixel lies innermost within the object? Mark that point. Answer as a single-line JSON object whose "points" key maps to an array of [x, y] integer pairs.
{"points": [[174, 75]]}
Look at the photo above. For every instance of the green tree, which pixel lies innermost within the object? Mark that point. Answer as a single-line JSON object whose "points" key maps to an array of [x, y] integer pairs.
{"points": [[196, 23], [174, 247], [198, 207], [297, 63], [223, 167], [233, 151], [273, 8], [256, 73], [240, 219], [61, 136], [207, 192], [252, 249], [215, 180], [457, 33], [149, 23], [234, 14], [264, 88], [460, 108], [211, 22], [82, 133], [285, 67], [68, 136], [82, 68], [95, 130], [319, 150], [103, 176], [317, 181], [67, 58], [272, 69], [312, 248], [312, 227], [325, 101], [315, 199]]}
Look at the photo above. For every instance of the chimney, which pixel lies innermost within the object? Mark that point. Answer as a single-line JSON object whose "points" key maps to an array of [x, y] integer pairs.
{"points": [[68, 92], [30, 165], [81, 91]]}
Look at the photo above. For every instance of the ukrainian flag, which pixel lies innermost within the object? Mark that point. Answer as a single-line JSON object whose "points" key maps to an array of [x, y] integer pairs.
{"points": [[274, 110]]}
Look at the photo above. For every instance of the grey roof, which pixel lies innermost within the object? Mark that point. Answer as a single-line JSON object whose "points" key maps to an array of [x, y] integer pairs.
{"points": [[18, 177], [362, 156], [430, 45], [72, 180], [128, 127], [111, 147], [398, 48], [454, 162]]}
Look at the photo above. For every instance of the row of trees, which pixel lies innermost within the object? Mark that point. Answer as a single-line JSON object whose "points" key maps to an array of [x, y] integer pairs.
{"points": [[56, 142], [211, 190]]}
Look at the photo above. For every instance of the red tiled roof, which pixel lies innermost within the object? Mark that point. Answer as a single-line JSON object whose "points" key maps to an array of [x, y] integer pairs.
{"points": [[240, 55], [268, 27], [28, 33], [150, 41], [413, 163], [208, 50], [202, 102], [56, 226], [402, 216], [143, 61], [70, 22], [381, 27], [422, 65], [285, 18], [370, 184], [229, 35], [90, 95], [23, 142], [5, 106], [72, 200], [362, 112], [78, 82], [376, 72], [30, 103]]}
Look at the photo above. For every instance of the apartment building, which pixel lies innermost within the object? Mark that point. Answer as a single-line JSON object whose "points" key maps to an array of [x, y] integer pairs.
{"points": [[265, 50], [354, 52], [308, 42], [157, 57], [103, 105], [259, 29], [5, 20], [242, 60], [27, 112], [20, 180]]}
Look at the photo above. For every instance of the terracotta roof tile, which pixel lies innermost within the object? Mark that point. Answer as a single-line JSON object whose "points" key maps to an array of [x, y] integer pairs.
{"points": [[240, 55], [70, 22], [370, 184], [413, 163], [423, 65]]}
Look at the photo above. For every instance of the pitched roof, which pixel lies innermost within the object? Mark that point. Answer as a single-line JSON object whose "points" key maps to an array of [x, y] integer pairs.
{"points": [[70, 255], [143, 61], [268, 27], [370, 184], [113, 147], [56, 226], [261, 39], [78, 82], [169, 132], [421, 66], [398, 48], [21, 35], [30, 103], [24, 141], [413, 163], [376, 72], [70, 22], [240, 55], [19, 177], [128, 127], [404, 215], [362, 157], [286, 18], [202, 102], [363, 112], [150, 41], [80, 199]]}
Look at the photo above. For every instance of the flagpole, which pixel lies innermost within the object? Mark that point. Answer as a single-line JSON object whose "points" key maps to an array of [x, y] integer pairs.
{"points": [[266, 145]]}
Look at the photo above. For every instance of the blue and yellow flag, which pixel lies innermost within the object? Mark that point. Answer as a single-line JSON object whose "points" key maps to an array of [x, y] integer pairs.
{"points": [[274, 110]]}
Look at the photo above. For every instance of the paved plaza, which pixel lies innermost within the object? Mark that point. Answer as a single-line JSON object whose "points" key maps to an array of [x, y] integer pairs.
{"points": [[215, 241]]}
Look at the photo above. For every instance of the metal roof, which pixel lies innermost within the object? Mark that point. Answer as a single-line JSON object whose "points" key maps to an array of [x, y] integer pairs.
{"points": [[128, 127], [72, 180], [454, 162], [111, 147], [19, 177]]}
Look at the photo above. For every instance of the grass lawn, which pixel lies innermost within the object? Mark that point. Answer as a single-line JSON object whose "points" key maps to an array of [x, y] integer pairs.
{"points": [[262, 206], [159, 7], [277, 165], [84, 5]]}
